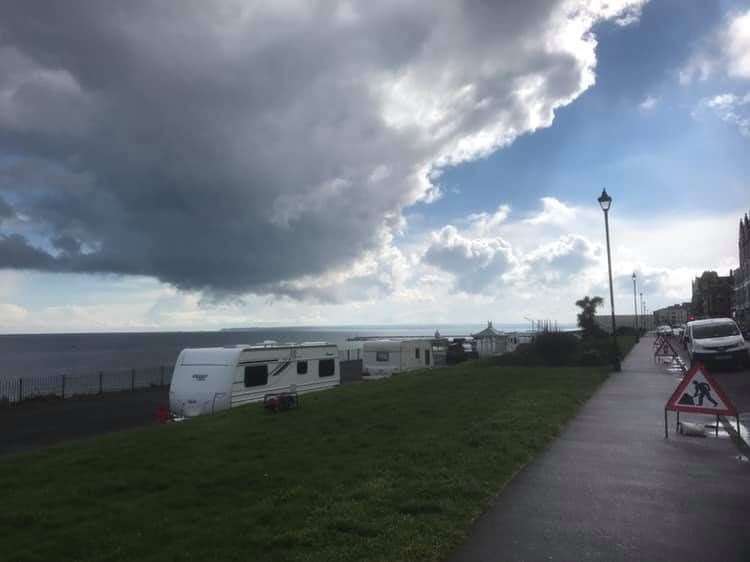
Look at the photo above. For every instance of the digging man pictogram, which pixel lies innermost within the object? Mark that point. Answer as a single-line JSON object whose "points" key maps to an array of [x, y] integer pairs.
{"points": [[702, 390]]}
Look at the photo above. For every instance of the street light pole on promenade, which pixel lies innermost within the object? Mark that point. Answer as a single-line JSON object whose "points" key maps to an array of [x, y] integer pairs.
{"points": [[635, 307], [605, 202]]}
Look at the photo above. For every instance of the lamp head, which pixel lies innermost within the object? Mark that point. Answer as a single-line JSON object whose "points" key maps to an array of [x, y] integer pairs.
{"points": [[605, 201]]}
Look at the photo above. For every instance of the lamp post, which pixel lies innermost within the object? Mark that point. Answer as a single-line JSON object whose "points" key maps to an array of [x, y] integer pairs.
{"points": [[635, 307], [605, 202], [643, 314]]}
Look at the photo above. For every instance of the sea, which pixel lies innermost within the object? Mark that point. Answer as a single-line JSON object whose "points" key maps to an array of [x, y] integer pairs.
{"points": [[39, 355]]}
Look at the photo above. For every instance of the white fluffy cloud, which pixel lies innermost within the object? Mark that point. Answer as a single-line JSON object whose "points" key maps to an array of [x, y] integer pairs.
{"points": [[648, 103], [487, 255], [478, 263], [732, 109], [553, 211], [738, 46], [727, 51]]}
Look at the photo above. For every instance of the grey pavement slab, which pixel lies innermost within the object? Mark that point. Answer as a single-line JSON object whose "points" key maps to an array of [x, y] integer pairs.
{"points": [[612, 488]]}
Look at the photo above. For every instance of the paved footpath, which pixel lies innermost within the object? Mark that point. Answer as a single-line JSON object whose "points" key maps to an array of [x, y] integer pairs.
{"points": [[612, 488]]}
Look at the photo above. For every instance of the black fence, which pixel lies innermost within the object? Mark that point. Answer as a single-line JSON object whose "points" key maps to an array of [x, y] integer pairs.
{"points": [[16, 390]]}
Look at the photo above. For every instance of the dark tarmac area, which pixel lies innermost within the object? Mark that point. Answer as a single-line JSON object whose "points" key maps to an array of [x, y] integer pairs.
{"points": [[611, 487], [35, 424], [40, 423]]}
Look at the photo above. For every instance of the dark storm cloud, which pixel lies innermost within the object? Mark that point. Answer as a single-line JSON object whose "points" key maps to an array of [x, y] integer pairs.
{"points": [[17, 253], [6, 211], [233, 147]]}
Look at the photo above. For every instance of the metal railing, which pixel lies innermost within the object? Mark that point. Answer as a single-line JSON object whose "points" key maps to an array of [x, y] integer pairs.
{"points": [[15, 390]]}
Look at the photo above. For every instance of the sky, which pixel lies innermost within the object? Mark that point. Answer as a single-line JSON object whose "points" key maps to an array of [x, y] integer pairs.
{"points": [[193, 166]]}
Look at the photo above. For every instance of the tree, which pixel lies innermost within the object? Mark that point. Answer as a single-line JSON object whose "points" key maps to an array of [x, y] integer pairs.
{"points": [[586, 320]]}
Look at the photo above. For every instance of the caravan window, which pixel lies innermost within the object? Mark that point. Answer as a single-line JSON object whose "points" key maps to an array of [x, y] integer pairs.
{"points": [[326, 368], [301, 367], [417, 353], [256, 375], [381, 356]]}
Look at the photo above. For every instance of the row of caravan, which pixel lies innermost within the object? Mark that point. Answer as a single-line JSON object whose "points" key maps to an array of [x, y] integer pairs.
{"points": [[381, 358], [208, 380]]}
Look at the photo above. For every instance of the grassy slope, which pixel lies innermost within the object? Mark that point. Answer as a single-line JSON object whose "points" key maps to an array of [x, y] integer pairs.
{"points": [[388, 470]]}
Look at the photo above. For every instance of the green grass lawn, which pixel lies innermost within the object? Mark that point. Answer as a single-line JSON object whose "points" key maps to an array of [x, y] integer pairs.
{"points": [[389, 470]]}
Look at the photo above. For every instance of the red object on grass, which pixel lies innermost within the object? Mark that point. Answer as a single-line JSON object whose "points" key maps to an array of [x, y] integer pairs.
{"points": [[162, 414]]}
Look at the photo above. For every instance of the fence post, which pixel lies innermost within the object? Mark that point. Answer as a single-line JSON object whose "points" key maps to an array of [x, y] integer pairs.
{"points": [[101, 389], [161, 373], [20, 389], [132, 380], [63, 386]]}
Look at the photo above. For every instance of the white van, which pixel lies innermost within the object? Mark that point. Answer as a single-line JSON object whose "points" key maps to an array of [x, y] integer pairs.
{"points": [[716, 339], [208, 380]]}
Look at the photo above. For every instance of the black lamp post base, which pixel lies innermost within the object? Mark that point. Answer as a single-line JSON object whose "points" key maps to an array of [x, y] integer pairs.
{"points": [[616, 366]]}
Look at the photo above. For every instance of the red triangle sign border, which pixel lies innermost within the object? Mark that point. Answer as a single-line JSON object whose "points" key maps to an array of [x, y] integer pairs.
{"points": [[662, 348], [672, 404]]}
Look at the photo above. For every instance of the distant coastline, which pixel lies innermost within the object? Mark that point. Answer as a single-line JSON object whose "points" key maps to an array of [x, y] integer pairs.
{"points": [[29, 355]]}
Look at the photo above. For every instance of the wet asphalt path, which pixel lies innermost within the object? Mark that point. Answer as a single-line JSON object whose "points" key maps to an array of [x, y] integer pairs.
{"points": [[36, 424], [612, 488]]}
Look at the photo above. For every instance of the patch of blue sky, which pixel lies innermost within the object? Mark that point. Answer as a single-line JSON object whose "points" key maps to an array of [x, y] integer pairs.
{"points": [[653, 157]]}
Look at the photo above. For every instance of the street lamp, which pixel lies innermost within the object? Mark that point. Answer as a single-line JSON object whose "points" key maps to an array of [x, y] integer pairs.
{"points": [[605, 202], [635, 307]]}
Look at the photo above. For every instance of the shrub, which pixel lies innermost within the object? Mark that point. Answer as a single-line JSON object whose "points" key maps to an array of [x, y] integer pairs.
{"points": [[560, 349], [591, 357], [556, 348], [524, 355]]}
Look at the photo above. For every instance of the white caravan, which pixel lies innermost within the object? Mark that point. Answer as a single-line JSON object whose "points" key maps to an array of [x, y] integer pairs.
{"points": [[385, 357], [207, 380]]}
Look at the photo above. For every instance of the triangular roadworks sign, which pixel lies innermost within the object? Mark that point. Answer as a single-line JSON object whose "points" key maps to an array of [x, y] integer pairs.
{"points": [[665, 350], [700, 393]]}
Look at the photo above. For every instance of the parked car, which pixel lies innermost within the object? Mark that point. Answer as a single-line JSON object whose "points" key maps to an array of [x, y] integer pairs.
{"points": [[664, 330], [716, 340]]}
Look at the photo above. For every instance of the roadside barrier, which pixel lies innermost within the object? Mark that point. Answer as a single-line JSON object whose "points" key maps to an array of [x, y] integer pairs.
{"points": [[666, 354], [68, 385]]}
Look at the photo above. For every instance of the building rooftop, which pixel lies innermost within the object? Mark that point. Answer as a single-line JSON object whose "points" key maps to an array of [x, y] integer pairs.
{"points": [[489, 331]]}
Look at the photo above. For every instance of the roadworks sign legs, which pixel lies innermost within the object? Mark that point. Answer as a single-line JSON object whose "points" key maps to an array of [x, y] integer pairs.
{"points": [[705, 396]]}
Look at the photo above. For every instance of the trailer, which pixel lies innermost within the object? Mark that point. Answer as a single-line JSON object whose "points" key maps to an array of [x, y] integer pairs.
{"points": [[382, 358], [208, 380]]}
